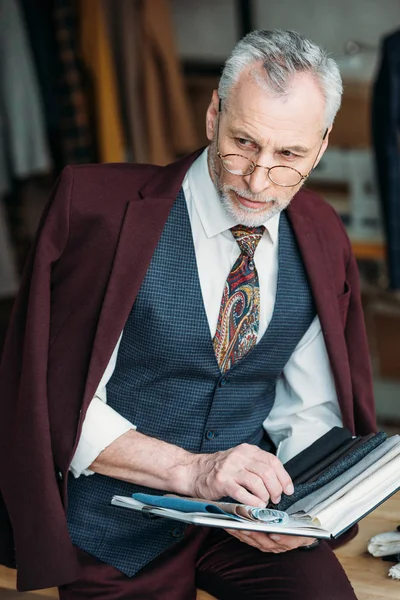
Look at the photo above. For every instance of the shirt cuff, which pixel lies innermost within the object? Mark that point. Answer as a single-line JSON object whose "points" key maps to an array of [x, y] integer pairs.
{"points": [[101, 427]]}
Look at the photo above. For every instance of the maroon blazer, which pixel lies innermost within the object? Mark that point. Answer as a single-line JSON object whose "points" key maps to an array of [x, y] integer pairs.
{"points": [[92, 250]]}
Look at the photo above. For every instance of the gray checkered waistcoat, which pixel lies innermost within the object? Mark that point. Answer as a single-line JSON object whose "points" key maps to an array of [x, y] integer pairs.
{"points": [[168, 383]]}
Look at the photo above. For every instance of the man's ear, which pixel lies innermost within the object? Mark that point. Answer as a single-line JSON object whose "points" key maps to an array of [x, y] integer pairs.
{"points": [[211, 115]]}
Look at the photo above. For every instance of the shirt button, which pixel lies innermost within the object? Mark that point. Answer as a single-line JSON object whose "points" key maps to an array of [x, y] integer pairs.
{"points": [[210, 434], [251, 264]]}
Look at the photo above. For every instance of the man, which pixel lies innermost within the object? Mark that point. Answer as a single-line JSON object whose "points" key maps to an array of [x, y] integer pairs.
{"points": [[124, 370]]}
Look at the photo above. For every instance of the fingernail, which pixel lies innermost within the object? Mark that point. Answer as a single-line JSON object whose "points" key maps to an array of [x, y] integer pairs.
{"points": [[278, 499], [274, 537], [289, 489]]}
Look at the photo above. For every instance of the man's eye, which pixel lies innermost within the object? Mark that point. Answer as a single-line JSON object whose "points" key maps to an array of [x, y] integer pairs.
{"points": [[288, 154], [244, 142]]}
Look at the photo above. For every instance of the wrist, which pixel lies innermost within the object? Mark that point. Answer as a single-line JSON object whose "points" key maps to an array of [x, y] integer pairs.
{"points": [[186, 474], [311, 546]]}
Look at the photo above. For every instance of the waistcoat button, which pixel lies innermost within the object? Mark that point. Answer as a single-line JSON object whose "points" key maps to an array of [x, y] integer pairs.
{"points": [[177, 532], [210, 434]]}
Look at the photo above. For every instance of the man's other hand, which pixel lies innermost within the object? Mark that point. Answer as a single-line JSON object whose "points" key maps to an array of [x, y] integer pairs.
{"points": [[270, 542]]}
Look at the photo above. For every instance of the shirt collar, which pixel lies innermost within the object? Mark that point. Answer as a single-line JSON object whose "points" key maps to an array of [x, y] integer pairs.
{"points": [[212, 214]]}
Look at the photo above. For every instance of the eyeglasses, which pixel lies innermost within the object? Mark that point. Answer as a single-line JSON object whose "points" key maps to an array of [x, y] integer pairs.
{"points": [[281, 175]]}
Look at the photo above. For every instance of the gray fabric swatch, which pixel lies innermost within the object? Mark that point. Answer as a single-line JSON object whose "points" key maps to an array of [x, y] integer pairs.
{"points": [[330, 488], [334, 471]]}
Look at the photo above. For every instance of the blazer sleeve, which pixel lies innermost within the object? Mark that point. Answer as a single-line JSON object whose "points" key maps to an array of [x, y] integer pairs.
{"points": [[44, 555]]}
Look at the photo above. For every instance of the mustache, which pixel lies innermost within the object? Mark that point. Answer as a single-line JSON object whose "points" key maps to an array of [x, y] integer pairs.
{"points": [[248, 195]]}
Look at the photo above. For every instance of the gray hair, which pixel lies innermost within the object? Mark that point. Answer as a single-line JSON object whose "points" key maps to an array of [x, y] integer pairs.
{"points": [[283, 55]]}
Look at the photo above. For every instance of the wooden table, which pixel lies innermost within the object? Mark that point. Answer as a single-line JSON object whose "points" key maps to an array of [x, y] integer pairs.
{"points": [[368, 575]]}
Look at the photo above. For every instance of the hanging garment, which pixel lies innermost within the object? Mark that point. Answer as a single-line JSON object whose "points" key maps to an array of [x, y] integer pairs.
{"points": [[122, 19], [96, 55], [40, 30], [23, 144], [386, 132], [8, 270], [154, 103], [77, 144], [170, 127]]}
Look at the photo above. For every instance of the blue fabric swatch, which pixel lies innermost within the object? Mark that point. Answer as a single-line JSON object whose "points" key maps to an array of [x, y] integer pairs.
{"points": [[181, 504]]}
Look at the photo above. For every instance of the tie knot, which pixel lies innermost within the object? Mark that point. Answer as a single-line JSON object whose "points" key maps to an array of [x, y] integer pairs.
{"points": [[247, 238]]}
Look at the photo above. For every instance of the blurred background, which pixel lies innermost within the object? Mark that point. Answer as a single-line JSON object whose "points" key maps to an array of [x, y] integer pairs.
{"points": [[129, 80]]}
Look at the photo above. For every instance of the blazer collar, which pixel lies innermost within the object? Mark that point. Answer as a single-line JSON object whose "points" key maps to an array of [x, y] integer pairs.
{"points": [[168, 180]]}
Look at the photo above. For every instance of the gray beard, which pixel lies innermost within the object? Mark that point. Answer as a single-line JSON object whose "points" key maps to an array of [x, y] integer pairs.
{"points": [[243, 214], [248, 216]]}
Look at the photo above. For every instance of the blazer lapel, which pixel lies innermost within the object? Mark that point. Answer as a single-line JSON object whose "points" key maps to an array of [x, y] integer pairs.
{"points": [[142, 227], [318, 267], [144, 220]]}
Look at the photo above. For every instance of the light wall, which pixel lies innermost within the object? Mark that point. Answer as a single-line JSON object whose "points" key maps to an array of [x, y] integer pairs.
{"points": [[207, 29]]}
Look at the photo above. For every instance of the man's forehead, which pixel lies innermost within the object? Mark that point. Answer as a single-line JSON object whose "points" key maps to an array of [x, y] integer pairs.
{"points": [[301, 109]]}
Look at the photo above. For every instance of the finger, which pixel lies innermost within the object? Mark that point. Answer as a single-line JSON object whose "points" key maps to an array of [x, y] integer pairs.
{"points": [[238, 533], [244, 536], [281, 474], [242, 495], [290, 542], [253, 482], [308, 541], [269, 479], [259, 540]]}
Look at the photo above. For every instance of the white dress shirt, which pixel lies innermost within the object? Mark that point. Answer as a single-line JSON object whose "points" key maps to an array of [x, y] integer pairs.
{"points": [[305, 405]]}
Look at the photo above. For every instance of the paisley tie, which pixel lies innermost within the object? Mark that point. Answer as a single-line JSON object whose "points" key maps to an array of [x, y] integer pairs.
{"points": [[239, 315]]}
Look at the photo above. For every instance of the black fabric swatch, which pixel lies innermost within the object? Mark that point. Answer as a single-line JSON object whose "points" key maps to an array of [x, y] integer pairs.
{"points": [[320, 449], [316, 470]]}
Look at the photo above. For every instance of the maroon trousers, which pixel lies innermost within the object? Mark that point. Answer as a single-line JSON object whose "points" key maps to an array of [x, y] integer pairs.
{"points": [[228, 569]]}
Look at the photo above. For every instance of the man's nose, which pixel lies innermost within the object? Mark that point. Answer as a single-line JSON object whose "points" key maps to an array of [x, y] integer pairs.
{"points": [[258, 181]]}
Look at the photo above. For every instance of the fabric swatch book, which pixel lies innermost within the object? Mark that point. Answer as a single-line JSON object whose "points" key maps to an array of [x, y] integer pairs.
{"points": [[344, 491]]}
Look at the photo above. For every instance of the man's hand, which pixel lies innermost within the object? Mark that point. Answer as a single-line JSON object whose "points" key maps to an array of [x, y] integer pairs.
{"points": [[245, 473], [270, 542]]}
